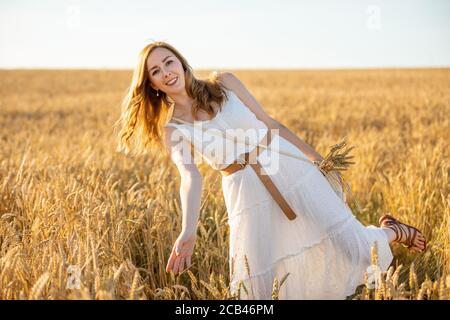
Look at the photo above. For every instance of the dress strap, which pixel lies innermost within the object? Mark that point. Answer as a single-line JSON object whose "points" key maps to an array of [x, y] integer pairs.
{"points": [[180, 121], [171, 124]]}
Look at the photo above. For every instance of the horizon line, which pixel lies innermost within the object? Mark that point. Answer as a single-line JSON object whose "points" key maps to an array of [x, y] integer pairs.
{"points": [[228, 68]]}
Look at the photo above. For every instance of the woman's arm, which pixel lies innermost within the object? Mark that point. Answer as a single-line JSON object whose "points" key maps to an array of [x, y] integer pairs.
{"points": [[190, 194], [231, 82], [284, 132], [191, 180]]}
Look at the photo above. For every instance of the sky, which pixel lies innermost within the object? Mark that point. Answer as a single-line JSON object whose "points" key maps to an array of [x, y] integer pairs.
{"points": [[227, 34]]}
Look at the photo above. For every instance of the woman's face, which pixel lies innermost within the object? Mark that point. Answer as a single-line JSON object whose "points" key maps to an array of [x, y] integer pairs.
{"points": [[165, 71]]}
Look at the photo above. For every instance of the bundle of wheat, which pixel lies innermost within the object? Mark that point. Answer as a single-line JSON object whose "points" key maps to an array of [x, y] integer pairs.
{"points": [[335, 161]]}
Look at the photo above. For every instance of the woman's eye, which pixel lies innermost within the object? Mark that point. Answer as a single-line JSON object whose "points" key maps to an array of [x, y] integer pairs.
{"points": [[157, 70]]}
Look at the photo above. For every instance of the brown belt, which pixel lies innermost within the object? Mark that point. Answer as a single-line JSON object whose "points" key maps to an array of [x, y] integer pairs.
{"points": [[260, 172]]}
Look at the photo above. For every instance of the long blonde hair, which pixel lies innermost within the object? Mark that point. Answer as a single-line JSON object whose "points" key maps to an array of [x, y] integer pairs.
{"points": [[144, 114]]}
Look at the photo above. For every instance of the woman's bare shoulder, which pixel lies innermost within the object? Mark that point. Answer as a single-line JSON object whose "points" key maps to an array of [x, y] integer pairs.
{"points": [[227, 79]]}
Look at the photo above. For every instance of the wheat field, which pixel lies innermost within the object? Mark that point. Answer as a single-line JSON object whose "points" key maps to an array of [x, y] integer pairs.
{"points": [[80, 221]]}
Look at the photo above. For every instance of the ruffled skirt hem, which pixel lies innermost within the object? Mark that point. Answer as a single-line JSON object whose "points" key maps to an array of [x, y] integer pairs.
{"points": [[324, 270]]}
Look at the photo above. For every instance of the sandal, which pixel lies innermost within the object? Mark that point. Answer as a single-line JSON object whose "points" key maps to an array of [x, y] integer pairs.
{"points": [[395, 225]]}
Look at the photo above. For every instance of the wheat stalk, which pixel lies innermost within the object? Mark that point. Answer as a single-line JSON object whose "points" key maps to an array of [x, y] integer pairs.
{"points": [[38, 287]]}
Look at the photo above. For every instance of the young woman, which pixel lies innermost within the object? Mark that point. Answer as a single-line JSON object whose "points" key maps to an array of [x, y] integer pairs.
{"points": [[291, 222]]}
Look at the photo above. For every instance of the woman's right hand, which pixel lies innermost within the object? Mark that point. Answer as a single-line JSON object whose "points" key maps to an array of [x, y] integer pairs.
{"points": [[181, 254]]}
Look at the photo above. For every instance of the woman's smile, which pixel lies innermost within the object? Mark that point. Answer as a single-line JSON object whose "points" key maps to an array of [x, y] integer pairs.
{"points": [[172, 81]]}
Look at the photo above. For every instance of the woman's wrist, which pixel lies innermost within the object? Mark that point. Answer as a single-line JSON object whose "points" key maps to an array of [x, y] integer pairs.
{"points": [[188, 231]]}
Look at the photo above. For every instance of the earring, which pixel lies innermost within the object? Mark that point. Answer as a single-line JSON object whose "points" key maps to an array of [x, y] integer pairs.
{"points": [[157, 92]]}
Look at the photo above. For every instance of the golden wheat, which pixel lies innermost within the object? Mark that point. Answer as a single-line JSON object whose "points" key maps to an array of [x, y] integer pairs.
{"points": [[68, 199]]}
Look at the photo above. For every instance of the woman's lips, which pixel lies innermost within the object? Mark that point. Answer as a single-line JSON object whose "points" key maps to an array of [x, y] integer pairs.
{"points": [[172, 82]]}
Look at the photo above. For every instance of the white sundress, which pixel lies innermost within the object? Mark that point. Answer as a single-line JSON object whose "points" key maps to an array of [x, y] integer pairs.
{"points": [[325, 249]]}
